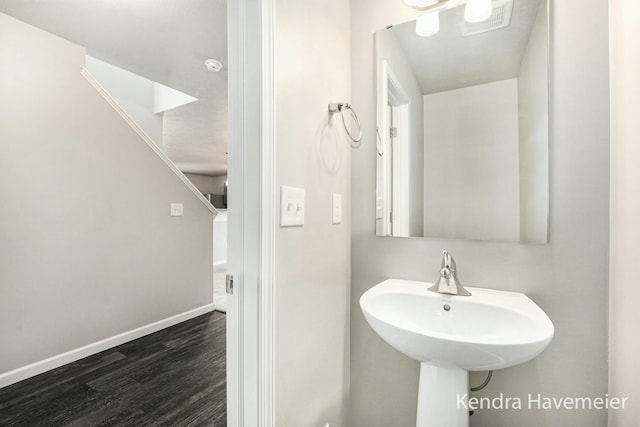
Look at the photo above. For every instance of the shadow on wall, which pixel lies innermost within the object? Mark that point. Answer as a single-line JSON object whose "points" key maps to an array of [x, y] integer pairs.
{"points": [[330, 136]]}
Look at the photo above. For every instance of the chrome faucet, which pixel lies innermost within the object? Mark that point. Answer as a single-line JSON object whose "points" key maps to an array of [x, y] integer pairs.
{"points": [[448, 282]]}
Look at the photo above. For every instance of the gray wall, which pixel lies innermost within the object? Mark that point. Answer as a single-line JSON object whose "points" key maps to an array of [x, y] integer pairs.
{"points": [[471, 172], [533, 107], [87, 247], [567, 277], [312, 262], [624, 316], [133, 93]]}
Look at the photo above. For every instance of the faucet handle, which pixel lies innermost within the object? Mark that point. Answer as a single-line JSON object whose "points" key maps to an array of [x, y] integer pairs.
{"points": [[448, 261], [448, 282], [446, 267]]}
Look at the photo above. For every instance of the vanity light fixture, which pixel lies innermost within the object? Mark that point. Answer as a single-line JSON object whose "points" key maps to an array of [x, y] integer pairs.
{"points": [[420, 3], [429, 24], [477, 10]]}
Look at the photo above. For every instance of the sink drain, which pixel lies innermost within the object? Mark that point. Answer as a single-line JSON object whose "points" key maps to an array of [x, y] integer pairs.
{"points": [[447, 307]]}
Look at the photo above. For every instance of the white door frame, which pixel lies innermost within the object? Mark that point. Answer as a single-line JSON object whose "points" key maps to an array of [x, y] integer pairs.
{"points": [[252, 213], [394, 156]]}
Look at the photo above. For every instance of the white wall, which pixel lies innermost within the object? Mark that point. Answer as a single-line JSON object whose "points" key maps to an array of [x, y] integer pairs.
{"points": [[220, 239], [471, 183], [134, 93], [87, 247], [388, 48], [567, 277], [312, 262], [533, 108], [166, 98], [624, 293], [214, 185]]}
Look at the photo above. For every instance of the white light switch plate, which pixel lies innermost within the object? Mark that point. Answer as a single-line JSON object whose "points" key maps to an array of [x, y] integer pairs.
{"points": [[291, 206], [176, 209], [336, 209]]}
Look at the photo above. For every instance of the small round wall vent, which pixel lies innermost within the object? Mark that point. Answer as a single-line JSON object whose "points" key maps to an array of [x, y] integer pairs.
{"points": [[213, 65]]}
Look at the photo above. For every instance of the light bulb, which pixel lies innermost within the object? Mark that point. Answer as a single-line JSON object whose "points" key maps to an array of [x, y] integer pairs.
{"points": [[477, 10], [428, 24], [420, 3]]}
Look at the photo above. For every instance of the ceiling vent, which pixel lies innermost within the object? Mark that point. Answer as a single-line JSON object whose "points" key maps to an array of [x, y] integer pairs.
{"points": [[500, 18]]}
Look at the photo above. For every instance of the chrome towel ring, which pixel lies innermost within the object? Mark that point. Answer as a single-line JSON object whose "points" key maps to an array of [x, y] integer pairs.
{"points": [[341, 107]]}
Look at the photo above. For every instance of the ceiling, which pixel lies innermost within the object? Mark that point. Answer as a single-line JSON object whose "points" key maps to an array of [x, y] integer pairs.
{"points": [[449, 60], [163, 40]]}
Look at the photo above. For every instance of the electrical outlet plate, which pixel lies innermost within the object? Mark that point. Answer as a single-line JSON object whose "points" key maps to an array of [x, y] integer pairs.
{"points": [[336, 209], [291, 206], [176, 209]]}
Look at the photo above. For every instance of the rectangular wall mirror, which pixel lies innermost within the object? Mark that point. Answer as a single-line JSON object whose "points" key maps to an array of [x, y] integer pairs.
{"points": [[462, 125]]}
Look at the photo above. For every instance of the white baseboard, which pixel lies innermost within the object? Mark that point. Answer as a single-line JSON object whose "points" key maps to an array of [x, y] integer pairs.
{"points": [[45, 365]]}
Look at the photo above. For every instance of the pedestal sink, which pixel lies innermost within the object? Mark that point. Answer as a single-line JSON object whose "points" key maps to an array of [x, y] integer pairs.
{"points": [[451, 335]]}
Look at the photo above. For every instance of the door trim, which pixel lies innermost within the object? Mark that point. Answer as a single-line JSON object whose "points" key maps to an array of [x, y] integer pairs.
{"points": [[252, 213], [266, 353]]}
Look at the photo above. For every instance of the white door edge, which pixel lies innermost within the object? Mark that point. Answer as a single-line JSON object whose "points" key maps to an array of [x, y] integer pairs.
{"points": [[252, 213], [266, 351]]}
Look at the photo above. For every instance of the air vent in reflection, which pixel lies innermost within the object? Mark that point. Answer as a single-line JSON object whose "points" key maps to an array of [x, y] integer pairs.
{"points": [[500, 18]]}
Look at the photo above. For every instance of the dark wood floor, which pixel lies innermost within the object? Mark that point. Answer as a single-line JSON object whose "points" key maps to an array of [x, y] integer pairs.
{"points": [[175, 377]]}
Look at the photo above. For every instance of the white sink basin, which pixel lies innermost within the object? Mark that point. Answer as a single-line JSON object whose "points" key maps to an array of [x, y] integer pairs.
{"points": [[451, 335], [488, 330]]}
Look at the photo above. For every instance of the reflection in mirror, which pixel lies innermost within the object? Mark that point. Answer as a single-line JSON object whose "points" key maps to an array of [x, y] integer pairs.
{"points": [[462, 136]]}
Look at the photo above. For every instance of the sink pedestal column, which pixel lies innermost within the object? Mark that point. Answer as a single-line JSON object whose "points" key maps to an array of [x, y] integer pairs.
{"points": [[440, 396]]}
